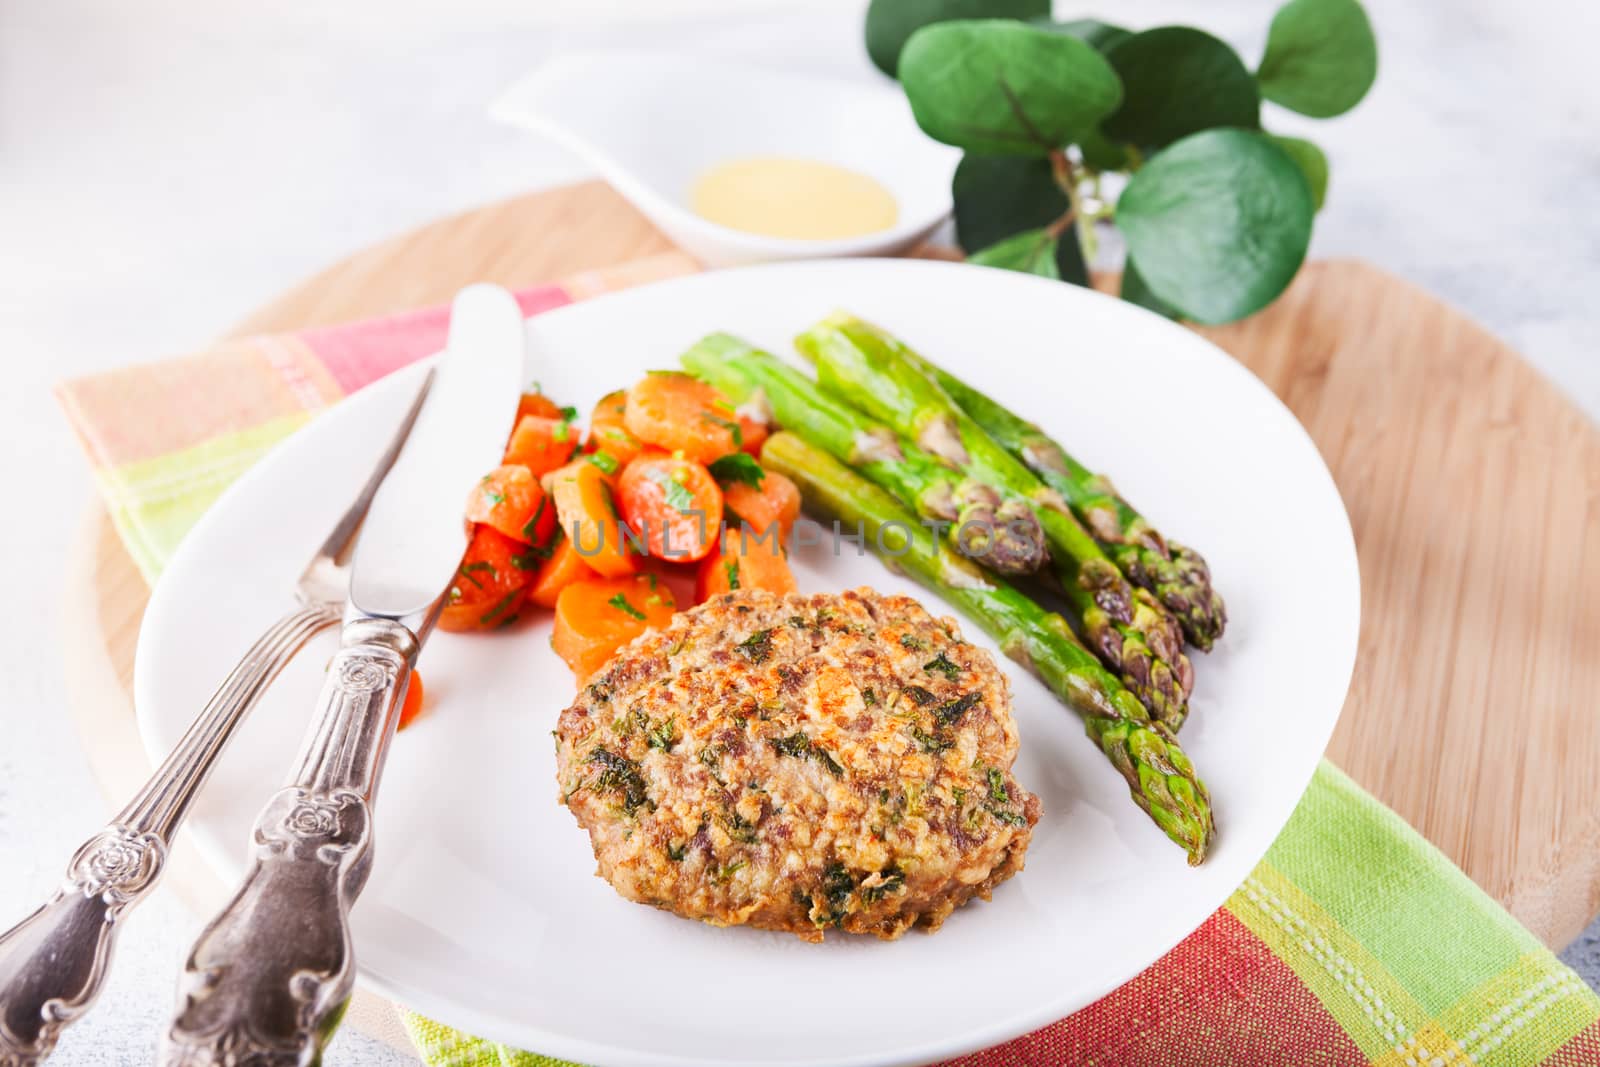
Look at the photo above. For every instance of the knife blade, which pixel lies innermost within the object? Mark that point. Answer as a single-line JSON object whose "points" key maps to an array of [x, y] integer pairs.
{"points": [[268, 978], [413, 538]]}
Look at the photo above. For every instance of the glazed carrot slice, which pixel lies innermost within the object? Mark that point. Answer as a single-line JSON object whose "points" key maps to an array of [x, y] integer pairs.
{"points": [[610, 411], [538, 404], [744, 560], [563, 568], [608, 429], [596, 617], [673, 503], [755, 496], [413, 702], [541, 443], [588, 515], [490, 583], [678, 413], [510, 499], [753, 432]]}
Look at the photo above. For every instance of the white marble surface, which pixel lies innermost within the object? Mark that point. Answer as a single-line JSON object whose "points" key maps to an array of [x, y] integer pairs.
{"points": [[166, 166]]}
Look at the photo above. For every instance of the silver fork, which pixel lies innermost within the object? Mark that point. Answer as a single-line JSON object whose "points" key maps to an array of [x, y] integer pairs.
{"points": [[53, 963]]}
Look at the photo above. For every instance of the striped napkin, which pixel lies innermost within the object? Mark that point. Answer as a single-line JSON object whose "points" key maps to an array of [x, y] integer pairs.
{"points": [[1354, 941]]}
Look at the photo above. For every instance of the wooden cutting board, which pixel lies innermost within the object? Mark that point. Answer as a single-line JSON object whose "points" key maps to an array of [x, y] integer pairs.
{"points": [[1472, 484]]}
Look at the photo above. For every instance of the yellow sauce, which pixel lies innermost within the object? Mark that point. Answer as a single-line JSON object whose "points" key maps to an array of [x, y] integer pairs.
{"points": [[801, 199]]}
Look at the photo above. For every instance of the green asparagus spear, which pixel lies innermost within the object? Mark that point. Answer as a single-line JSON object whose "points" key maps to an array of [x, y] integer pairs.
{"points": [[1176, 575], [1003, 533], [1128, 628], [1146, 753]]}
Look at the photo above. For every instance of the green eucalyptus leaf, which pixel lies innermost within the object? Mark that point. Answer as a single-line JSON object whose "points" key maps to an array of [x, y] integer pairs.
{"points": [[1219, 223], [1321, 57], [1177, 80], [1136, 291], [890, 23], [1101, 152], [1092, 31], [1312, 163], [998, 196], [1031, 252], [1005, 88]]}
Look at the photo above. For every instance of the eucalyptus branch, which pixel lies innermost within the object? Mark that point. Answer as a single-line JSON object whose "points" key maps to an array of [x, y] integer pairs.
{"points": [[1217, 215]]}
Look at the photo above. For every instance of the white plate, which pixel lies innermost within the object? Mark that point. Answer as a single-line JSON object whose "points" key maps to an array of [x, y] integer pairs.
{"points": [[483, 910]]}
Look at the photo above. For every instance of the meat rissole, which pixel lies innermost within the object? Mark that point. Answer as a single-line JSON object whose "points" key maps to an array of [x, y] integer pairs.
{"points": [[800, 763]]}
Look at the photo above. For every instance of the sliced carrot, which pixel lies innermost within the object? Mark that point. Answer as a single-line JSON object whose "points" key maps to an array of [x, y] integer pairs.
{"points": [[610, 412], [681, 414], [744, 560], [608, 429], [413, 702], [754, 434], [588, 515], [510, 499], [490, 582], [538, 404], [563, 568], [542, 444], [758, 497], [596, 617], [673, 503]]}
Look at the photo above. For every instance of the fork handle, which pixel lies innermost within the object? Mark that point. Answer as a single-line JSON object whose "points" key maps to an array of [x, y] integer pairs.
{"points": [[269, 977], [53, 963]]}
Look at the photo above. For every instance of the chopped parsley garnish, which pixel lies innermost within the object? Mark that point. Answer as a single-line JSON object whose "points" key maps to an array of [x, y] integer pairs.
{"points": [[757, 648], [621, 776], [564, 430], [730, 570], [1010, 818], [919, 695], [950, 713], [605, 461], [494, 496], [500, 608], [663, 735], [678, 498], [929, 742], [942, 664], [530, 560], [869, 698], [912, 642], [469, 569], [997, 787], [800, 746], [738, 827], [738, 467], [894, 880], [530, 529], [727, 871], [620, 602], [675, 853]]}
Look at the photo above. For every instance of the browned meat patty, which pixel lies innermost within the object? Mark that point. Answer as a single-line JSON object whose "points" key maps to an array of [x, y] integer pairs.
{"points": [[800, 763]]}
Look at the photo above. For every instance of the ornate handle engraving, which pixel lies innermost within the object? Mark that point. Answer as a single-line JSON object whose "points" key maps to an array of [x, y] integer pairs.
{"points": [[268, 979], [53, 963]]}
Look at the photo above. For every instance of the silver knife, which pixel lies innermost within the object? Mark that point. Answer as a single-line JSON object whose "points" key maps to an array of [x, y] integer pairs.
{"points": [[54, 962], [268, 979]]}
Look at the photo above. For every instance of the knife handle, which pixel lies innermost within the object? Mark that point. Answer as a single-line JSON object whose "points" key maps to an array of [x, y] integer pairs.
{"points": [[53, 963], [268, 979]]}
